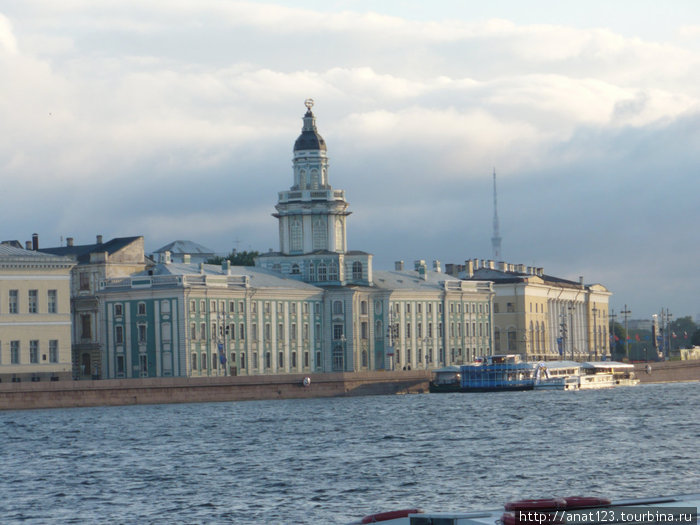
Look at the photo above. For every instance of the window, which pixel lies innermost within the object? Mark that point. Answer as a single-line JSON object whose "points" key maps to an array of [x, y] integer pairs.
{"points": [[202, 307], [317, 332], [120, 366], [419, 308], [254, 328], [203, 331], [14, 352], [241, 307], [408, 331], [143, 365], [84, 281], [295, 269], [213, 331], [254, 307], [295, 236], [512, 344], [119, 335], [419, 330], [510, 307], [241, 331], [293, 332], [212, 306], [378, 330], [363, 308], [242, 359], [364, 331], [338, 331], [333, 272], [338, 360], [193, 306], [14, 302], [495, 308], [322, 272], [193, 331], [33, 306], [85, 327], [268, 332], [268, 360], [306, 332], [165, 332], [280, 359], [318, 359], [141, 309], [118, 310], [34, 351], [337, 307], [408, 308], [53, 351], [231, 306], [214, 361], [357, 270], [364, 358], [267, 307], [53, 301], [204, 361], [293, 308], [142, 333]]}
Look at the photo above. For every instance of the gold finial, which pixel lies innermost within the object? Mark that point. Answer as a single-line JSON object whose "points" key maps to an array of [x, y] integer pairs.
{"points": [[309, 103]]}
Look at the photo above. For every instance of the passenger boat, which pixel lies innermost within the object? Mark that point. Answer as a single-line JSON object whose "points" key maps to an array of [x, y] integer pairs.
{"points": [[606, 374], [557, 375], [680, 509], [503, 372], [446, 380]]}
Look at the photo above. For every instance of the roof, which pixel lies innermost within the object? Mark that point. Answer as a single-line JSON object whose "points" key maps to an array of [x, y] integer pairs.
{"points": [[81, 252], [181, 246], [309, 138], [258, 277], [410, 280], [10, 253], [499, 276]]}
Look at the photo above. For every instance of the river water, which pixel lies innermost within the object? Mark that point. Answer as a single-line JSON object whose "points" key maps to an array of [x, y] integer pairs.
{"points": [[335, 460]]}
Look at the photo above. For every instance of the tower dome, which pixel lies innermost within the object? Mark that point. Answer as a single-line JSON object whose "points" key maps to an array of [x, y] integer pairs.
{"points": [[309, 138]]}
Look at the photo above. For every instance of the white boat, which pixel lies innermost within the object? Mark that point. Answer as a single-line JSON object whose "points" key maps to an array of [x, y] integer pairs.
{"points": [[557, 375], [680, 509]]}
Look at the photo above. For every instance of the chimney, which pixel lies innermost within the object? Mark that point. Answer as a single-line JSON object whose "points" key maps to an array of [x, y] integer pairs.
{"points": [[28, 245], [398, 266], [503, 266], [521, 268], [226, 267], [450, 269], [99, 239], [437, 267], [35, 241], [580, 281], [540, 272], [469, 269], [167, 257], [186, 258], [417, 264], [69, 241], [201, 268]]}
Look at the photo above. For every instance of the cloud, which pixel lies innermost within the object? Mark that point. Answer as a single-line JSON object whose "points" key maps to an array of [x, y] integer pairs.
{"points": [[177, 119]]}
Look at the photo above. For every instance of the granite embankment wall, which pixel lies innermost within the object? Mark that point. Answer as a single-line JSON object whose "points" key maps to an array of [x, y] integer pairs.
{"points": [[63, 394], [668, 371]]}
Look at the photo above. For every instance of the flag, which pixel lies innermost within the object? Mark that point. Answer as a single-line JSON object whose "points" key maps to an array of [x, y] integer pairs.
{"points": [[685, 335], [673, 334], [617, 338], [637, 337]]}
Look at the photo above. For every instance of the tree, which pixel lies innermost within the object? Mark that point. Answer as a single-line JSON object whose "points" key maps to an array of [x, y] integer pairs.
{"points": [[695, 340], [683, 328], [617, 344], [237, 258]]}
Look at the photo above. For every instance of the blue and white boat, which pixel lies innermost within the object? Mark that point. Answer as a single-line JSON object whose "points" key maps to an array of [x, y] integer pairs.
{"points": [[503, 372]]}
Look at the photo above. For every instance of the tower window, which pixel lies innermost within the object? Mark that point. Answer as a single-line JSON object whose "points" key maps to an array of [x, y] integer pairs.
{"points": [[357, 271]]}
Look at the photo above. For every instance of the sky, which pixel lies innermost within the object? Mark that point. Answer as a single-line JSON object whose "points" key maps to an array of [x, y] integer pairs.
{"points": [[176, 120]]}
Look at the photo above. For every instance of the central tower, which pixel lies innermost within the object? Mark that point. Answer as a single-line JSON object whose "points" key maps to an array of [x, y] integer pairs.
{"points": [[311, 214], [312, 220]]}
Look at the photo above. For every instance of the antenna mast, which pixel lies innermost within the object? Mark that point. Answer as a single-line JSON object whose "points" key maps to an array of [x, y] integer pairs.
{"points": [[496, 239]]}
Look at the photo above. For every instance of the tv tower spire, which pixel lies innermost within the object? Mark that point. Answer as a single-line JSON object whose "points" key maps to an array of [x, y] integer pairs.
{"points": [[496, 239]]}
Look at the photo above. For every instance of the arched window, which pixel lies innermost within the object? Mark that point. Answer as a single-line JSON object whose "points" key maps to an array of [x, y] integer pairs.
{"points": [[339, 241], [378, 330], [295, 269], [320, 234], [295, 236], [322, 272], [333, 273], [337, 307], [356, 271], [312, 275]]}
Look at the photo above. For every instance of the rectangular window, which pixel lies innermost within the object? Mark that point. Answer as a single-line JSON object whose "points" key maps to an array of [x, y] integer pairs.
{"points": [[317, 332], [53, 350], [241, 308], [337, 331], [203, 331], [33, 306], [118, 310], [193, 306], [85, 327], [268, 332], [495, 308], [14, 302], [231, 331], [419, 306], [293, 308], [306, 331], [254, 307], [143, 365], [202, 307], [408, 331], [364, 330], [53, 301], [213, 330], [293, 332], [510, 307], [119, 335], [34, 351], [241, 332], [254, 328], [204, 361], [142, 333], [305, 307], [84, 281], [419, 330], [194, 362], [142, 309], [280, 331], [231, 306], [14, 352], [193, 331], [267, 307], [120, 366]]}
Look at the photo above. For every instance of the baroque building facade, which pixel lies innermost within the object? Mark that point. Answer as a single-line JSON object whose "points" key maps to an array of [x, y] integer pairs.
{"points": [[35, 319], [540, 316], [312, 306]]}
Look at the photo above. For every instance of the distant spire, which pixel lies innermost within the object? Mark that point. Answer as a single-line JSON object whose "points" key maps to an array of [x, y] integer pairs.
{"points": [[496, 239]]}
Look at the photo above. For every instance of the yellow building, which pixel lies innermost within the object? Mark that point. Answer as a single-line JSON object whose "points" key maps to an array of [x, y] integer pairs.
{"points": [[35, 318], [540, 316]]}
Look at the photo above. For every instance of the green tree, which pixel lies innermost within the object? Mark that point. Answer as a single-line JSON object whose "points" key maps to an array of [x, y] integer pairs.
{"points": [[683, 328], [237, 258], [695, 340], [617, 345]]}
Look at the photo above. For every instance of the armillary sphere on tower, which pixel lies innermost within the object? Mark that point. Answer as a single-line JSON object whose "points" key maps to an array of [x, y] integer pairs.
{"points": [[309, 103]]}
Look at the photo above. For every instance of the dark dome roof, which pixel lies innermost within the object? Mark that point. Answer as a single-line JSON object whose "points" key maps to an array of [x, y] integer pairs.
{"points": [[309, 138]]}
